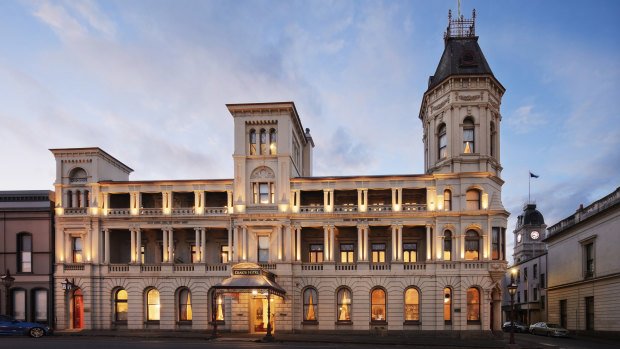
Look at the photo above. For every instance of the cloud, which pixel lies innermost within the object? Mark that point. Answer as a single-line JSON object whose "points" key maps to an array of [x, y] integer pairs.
{"points": [[523, 120]]}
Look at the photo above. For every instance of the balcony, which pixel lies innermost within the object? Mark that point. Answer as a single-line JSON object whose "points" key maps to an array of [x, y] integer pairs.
{"points": [[80, 211]]}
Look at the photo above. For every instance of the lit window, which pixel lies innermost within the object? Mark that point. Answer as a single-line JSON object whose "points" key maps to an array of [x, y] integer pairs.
{"points": [[344, 304], [410, 252], [77, 250], [378, 253], [316, 253], [412, 305], [468, 136], [272, 142], [120, 305], [263, 193], [152, 305], [473, 199], [442, 141], [346, 253], [310, 304], [377, 307], [263, 249], [263, 142], [142, 250], [192, 252], [224, 254], [495, 243], [447, 245], [40, 305], [447, 200], [252, 142], [25, 252], [219, 315], [185, 305], [447, 305], [472, 245], [473, 304]]}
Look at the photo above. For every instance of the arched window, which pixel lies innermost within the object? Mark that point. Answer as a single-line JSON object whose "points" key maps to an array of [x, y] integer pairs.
{"points": [[120, 305], [377, 307], [492, 140], [442, 145], [252, 142], [272, 142], [310, 304], [473, 305], [472, 245], [447, 305], [447, 200], [473, 199], [185, 305], [219, 314], [344, 305], [24, 248], [412, 304], [152, 305], [77, 175], [263, 186], [447, 245], [468, 136], [263, 142], [39, 298]]}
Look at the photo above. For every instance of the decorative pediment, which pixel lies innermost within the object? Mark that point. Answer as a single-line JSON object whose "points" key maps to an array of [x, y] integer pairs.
{"points": [[263, 172]]}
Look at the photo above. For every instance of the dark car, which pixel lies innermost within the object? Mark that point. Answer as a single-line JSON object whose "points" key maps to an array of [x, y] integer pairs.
{"points": [[547, 329], [519, 327], [10, 326]]}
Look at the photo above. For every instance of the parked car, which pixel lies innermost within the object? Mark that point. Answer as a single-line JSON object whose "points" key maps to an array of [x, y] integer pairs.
{"points": [[547, 329], [10, 326], [532, 327], [519, 327]]}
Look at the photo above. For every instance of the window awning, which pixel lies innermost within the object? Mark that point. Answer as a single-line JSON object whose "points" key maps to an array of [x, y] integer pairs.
{"points": [[250, 277]]}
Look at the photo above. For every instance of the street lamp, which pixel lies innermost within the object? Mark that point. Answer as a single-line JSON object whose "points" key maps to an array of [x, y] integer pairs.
{"points": [[7, 281], [512, 289]]}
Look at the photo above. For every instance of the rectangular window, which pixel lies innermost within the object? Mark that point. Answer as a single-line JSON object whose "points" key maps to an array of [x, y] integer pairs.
{"points": [[410, 253], [503, 243], [378, 253], [589, 259], [25, 256], [518, 297], [192, 253], [542, 280], [543, 302], [19, 305], [264, 193], [40, 306], [347, 251], [535, 294], [535, 271], [263, 248], [525, 296], [563, 313], [142, 253], [495, 245], [589, 313], [316, 253], [524, 273], [77, 250], [224, 254]]}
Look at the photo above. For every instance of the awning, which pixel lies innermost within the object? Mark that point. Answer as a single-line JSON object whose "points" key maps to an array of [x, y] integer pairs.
{"points": [[250, 277]]}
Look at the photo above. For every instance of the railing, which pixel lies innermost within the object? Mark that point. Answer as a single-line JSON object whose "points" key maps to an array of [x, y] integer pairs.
{"points": [[150, 268], [345, 208], [474, 265], [448, 266], [382, 266], [216, 267], [414, 266], [151, 212], [414, 207], [346, 266], [75, 211], [311, 209], [185, 211], [118, 268], [215, 211], [183, 267], [73, 267], [268, 266], [118, 212], [311, 266], [379, 208]]}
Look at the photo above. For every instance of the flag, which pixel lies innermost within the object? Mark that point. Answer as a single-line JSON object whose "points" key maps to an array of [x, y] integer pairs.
{"points": [[533, 175]]}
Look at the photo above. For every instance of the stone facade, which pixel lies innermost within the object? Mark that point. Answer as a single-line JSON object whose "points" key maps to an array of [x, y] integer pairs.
{"points": [[375, 253]]}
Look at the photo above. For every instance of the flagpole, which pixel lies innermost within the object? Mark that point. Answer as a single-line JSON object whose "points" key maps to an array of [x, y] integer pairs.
{"points": [[529, 186]]}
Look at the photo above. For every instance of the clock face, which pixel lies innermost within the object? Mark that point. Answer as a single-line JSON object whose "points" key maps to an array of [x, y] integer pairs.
{"points": [[518, 237], [534, 235]]}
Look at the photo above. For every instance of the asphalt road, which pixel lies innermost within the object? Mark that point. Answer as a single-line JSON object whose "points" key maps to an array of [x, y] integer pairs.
{"points": [[534, 341]]}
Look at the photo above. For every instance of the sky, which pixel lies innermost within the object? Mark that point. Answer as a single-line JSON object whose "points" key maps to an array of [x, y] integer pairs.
{"points": [[147, 81]]}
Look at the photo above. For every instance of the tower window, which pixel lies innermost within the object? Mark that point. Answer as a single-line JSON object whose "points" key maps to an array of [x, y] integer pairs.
{"points": [[252, 142], [468, 136], [447, 245], [472, 245], [272, 142], [263, 142], [473, 199], [447, 200], [442, 142], [492, 140]]}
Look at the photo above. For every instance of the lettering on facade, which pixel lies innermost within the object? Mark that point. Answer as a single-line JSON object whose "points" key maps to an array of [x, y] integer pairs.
{"points": [[246, 272], [168, 222]]}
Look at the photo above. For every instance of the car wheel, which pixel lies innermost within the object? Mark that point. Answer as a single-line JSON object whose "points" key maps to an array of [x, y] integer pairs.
{"points": [[36, 332]]}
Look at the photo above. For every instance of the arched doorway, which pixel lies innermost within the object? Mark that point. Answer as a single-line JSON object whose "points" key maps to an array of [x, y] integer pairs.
{"points": [[77, 303]]}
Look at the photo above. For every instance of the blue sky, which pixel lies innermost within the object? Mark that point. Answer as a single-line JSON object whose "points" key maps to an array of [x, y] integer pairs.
{"points": [[148, 81]]}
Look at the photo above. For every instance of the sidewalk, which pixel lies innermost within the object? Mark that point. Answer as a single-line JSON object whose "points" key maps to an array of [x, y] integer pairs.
{"points": [[291, 337]]}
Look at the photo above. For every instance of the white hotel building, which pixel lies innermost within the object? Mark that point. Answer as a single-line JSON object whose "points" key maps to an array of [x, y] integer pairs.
{"points": [[412, 252]]}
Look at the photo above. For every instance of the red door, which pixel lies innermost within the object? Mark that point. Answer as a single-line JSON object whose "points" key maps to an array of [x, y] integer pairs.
{"points": [[78, 311]]}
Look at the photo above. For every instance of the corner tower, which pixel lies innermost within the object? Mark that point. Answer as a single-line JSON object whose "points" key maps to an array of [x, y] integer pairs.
{"points": [[460, 110]]}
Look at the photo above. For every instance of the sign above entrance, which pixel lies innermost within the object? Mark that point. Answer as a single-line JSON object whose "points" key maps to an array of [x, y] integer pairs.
{"points": [[246, 272], [251, 269]]}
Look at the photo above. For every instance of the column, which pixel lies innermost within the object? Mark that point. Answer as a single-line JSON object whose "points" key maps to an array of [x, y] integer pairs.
{"points": [[360, 244], [326, 201], [331, 200], [359, 200], [462, 247], [326, 242], [298, 243], [171, 245], [165, 256], [332, 234], [394, 243], [400, 243], [230, 244], [236, 246], [394, 197], [366, 197], [106, 253], [203, 245], [197, 244], [244, 243], [138, 245], [133, 246], [366, 229], [68, 254], [106, 203], [400, 197], [87, 246], [428, 243], [288, 250]]}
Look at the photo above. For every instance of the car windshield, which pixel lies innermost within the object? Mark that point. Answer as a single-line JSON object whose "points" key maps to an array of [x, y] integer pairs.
{"points": [[553, 326]]}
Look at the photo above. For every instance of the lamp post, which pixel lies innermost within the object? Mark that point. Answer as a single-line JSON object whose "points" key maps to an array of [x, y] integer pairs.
{"points": [[268, 337], [7, 281], [214, 332], [512, 289]]}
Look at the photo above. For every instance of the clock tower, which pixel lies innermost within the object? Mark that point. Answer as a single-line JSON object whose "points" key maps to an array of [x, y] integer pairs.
{"points": [[529, 233]]}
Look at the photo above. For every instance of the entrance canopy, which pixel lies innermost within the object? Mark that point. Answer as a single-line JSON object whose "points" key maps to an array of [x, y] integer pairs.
{"points": [[250, 278]]}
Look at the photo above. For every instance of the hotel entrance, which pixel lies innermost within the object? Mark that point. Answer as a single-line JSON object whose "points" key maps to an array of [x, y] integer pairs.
{"points": [[259, 309]]}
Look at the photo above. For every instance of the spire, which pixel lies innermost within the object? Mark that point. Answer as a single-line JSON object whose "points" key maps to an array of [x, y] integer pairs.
{"points": [[460, 27]]}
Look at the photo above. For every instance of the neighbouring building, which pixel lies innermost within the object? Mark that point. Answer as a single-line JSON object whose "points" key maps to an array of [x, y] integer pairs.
{"points": [[530, 269], [27, 249], [411, 252], [584, 268]]}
